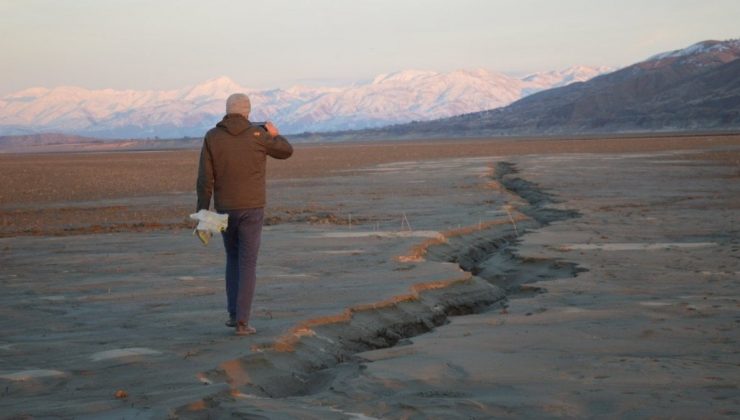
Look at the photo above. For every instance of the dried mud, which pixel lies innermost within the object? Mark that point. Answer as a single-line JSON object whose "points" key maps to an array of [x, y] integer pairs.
{"points": [[551, 256]]}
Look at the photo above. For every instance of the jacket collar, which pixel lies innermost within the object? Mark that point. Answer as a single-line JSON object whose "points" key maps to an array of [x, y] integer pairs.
{"points": [[235, 124]]}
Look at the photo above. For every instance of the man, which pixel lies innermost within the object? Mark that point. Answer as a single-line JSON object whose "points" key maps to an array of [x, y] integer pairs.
{"points": [[232, 169]]}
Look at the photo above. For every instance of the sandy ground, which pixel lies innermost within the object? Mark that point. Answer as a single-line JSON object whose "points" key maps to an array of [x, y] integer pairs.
{"points": [[71, 194], [628, 310]]}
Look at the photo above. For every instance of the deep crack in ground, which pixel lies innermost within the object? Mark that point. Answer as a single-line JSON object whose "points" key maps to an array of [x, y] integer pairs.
{"points": [[489, 255]]}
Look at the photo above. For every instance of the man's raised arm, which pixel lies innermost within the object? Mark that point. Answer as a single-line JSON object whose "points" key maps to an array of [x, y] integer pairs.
{"points": [[278, 146]]}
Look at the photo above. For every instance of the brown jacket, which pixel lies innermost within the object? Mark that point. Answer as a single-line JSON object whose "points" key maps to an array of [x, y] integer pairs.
{"points": [[232, 164]]}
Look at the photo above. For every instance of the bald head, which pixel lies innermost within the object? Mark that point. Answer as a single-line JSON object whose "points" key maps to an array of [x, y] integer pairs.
{"points": [[238, 103]]}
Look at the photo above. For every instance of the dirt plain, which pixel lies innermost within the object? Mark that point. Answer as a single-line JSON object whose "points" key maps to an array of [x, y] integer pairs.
{"points": [[74, 193], [599, 277]]}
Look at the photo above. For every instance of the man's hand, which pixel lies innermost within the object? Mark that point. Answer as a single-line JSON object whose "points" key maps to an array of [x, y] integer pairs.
{"points": [[271, 129]]}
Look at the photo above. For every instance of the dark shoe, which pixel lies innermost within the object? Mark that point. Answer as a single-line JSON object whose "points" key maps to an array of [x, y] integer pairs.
{"points": [[244, 329], [231, 322]]}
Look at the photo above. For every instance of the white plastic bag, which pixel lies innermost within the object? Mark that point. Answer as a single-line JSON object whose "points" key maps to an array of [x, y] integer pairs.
{"points": [[209, 223]]}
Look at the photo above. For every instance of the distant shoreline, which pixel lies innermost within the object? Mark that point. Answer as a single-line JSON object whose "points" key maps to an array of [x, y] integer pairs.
{"points": [[13, 144]]}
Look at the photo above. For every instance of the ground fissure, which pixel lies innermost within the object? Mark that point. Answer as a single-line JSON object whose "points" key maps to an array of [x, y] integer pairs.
{"points": [[494, 270]]}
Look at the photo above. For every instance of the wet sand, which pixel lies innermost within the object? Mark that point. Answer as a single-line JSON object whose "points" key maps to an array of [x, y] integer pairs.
{"points": [[629, 309]]}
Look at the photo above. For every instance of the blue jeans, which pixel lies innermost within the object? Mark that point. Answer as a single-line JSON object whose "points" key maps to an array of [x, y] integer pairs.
{"points": [[242, 244]]}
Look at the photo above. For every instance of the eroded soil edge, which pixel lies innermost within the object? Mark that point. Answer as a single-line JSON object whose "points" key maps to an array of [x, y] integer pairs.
{"points": [[303, 362]]}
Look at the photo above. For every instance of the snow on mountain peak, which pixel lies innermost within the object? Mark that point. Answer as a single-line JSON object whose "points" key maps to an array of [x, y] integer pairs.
{"points": [[557, 78], [403, 76], [218, 88], [28, 94], [698, 48], [390, 98], [220, 82]]}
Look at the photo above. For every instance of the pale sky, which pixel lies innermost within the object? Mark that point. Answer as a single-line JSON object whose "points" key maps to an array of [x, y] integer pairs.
{"points": [[164, 44]]}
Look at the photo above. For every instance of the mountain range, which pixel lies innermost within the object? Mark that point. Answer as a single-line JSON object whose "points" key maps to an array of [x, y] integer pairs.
{"points": [[692, 89], [410, 95]]}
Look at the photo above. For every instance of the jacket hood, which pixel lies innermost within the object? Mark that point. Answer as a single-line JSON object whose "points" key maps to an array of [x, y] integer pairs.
{"points": [[235, 124]]}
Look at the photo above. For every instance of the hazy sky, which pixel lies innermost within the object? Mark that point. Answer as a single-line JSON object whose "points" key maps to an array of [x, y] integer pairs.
{"points": [[158, 44]]}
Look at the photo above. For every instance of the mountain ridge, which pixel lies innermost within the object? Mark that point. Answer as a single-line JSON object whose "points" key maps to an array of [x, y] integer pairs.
{"points": [[695, 88], [389, 98]]}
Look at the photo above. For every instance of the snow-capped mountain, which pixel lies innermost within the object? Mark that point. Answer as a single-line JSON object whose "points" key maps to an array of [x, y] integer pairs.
{"points": [[389, 98], [557, 78], [711, 47], [696, 88], [406, 96]]}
